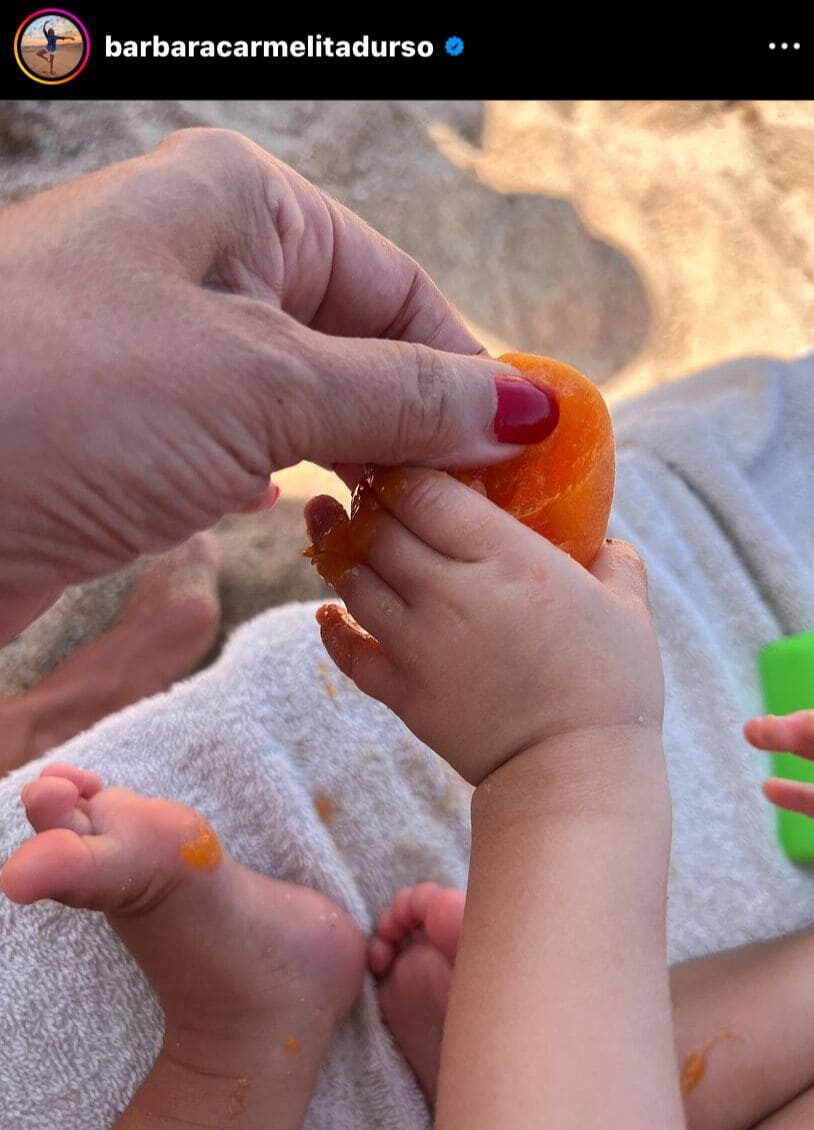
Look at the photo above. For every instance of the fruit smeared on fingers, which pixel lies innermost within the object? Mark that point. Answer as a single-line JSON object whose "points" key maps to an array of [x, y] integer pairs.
{"points": [[346, 543], [562, 487]]}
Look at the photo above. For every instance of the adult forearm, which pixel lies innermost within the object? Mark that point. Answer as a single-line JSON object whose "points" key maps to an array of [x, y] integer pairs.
{"points": [[560, 1012]]}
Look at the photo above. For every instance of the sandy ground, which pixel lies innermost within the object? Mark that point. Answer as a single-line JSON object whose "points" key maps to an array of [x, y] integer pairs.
{"points": [[636, 240], [68, 56]]}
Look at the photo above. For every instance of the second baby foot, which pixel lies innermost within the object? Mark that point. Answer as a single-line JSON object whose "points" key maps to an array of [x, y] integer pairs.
{"points": [[412, 953]]}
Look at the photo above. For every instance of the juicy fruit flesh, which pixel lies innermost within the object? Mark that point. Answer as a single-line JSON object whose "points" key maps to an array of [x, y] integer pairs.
{"points": [[562, 487], [346, 544]]}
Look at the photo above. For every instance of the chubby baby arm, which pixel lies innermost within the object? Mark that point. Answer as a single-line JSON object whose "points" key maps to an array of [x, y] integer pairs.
{"points": [[540, 682]]}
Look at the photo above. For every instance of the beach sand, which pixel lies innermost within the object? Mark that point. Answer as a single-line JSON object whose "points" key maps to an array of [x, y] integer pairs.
{"points": [[636, 240], [68, 56]]}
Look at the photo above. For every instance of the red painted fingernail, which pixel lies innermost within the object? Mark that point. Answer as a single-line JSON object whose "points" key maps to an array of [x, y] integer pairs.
{"points": [[526, 412]]}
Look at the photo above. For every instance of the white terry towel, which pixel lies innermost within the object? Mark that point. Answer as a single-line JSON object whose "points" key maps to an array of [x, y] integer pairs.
{"points": [[715, 487]]}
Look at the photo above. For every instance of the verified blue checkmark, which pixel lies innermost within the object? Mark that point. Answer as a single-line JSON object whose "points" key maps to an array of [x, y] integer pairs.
{"points": [[454, 45]]}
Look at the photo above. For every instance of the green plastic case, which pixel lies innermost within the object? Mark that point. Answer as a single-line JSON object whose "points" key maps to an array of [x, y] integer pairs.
{"points": [[787, 675]]}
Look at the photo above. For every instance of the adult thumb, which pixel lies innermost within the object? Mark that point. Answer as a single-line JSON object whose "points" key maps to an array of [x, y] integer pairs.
{"points": [[393, 402]]}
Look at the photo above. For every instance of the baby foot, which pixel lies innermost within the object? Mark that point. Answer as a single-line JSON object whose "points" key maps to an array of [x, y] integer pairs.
{"points": [[252, 973], [412, 953]]}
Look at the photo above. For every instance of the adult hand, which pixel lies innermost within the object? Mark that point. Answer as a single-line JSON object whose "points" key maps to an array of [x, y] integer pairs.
{"points": [[178, 326]]}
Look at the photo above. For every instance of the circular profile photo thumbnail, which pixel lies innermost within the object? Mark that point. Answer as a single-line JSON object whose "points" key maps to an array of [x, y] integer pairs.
{"points": [[52, 46]]}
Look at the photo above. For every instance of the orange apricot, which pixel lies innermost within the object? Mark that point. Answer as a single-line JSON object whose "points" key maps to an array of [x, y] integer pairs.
{"points": [[562, 487]]}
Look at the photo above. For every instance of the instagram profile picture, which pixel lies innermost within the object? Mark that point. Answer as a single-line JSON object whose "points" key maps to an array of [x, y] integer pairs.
{"points": [[52, 46]]}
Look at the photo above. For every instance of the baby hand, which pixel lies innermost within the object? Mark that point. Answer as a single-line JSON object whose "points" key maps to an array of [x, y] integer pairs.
{"points": [[487, 640], [791, 733]]}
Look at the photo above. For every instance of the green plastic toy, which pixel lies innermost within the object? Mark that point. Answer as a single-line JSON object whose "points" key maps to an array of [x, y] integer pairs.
{"points": [[787, 675]]}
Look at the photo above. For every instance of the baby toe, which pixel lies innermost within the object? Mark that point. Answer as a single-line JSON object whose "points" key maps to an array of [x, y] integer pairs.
{"points": [[380, 956], [51, 865], [50, 802], [403, 911], [86, 782], [421, 897]]}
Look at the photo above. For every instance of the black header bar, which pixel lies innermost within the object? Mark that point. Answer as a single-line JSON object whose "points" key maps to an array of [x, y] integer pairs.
{"points": [[144, 51]]}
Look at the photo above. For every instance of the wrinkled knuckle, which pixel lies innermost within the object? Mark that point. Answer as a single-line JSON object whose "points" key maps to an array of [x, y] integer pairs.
{"points": [[264, 349], [202, 161], [207, 142], [293, 430], [260, 322], [432, 411]]}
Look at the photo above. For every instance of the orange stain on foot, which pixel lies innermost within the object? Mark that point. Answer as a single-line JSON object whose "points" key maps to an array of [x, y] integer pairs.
{"points": [[695, 1065], [203, 850], [292, 1045]]}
